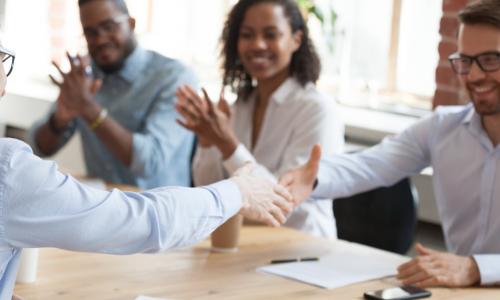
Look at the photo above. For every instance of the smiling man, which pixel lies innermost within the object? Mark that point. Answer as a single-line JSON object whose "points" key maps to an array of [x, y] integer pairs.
{"points": [[124, 108], [461, 143]]}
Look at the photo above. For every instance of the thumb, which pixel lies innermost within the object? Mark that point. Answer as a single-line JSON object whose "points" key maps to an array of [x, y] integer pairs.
{"points": [[421, 250], [96, 86], [314, 159], [224, 107]]}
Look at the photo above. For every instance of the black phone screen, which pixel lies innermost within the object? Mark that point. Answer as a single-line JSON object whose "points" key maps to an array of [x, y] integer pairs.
{"points": [[398, 293]]}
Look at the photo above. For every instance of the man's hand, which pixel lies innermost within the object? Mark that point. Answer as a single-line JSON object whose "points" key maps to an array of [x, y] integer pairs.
{"points": [[433, 268], [301, 180], [77, 91], [263, 200], [15, 297]]}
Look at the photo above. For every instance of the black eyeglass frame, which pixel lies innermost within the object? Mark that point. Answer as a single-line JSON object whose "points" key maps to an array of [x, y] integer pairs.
{"points": [[105, 27], [8, 55], [476, 58]]}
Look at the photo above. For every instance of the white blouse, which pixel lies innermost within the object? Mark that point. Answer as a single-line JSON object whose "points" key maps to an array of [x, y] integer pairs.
{"points": [[296, 118]]}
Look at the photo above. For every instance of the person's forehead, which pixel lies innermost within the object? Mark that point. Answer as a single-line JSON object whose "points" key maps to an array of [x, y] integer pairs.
{"points": [[265, 15], [478, 38], [95, 12]]}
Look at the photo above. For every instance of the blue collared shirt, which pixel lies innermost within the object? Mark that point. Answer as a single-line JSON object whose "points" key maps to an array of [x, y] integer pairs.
{"points": [[141, 97], [466, 179], [40, 207]]}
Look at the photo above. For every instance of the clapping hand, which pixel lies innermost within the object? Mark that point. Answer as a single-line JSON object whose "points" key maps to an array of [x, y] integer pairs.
{"points": [[211, 123], [77, 90]]}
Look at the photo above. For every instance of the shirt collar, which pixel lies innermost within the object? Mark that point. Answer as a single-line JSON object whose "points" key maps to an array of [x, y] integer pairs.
{"points": [[286, 90], [473, 121], [132, 66]]}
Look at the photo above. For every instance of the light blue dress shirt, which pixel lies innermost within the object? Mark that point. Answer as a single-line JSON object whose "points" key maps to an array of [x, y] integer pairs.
{"points": [[40, 207], [141, 97], [466, 179]]}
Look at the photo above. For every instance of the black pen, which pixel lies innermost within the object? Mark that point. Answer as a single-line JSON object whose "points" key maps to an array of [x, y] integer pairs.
{"points": [[282, 261]]}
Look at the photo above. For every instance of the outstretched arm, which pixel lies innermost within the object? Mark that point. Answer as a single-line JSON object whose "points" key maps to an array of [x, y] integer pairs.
{"points": [[45, 208]]}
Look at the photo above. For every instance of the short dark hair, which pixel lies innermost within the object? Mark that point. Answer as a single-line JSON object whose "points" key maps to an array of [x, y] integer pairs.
{"points": [[305, 65], [120, 4], [483, 12]]}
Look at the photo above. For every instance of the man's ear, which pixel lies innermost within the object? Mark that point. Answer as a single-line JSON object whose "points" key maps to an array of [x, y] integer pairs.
{"points": [[131, 23], [297, 39]]}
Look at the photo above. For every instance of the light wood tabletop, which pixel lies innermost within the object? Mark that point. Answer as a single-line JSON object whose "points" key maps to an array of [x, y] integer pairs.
{"points": [[197, 273]]}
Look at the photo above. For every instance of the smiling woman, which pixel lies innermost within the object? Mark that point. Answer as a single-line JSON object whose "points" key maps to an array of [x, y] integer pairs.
{"points": [[270, 62]]}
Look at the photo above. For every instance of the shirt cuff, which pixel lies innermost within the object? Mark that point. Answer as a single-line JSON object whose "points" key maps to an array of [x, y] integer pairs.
{"points": [[238, 159], [489, 268], [322, 190], [228, 194]]}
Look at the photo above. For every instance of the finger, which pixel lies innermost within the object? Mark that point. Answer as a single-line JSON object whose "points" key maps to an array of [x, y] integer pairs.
{"points": [[208, 102], [314, 158], [414, 263], [79, 63], [278, 215], [58, 69], [421, 250], [224, 107], [187, 112], [195, 106], [283, 192], [54, 81], [287, 179], [185, 125], [407, 269], [269, 220], [72, 61], [415, 278], [96, 86], [285, 205], [430, 282]]}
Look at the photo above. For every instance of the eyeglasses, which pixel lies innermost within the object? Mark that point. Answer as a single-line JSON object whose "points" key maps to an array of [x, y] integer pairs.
{"points": [[8, 57], [106, 27], [487, 62]]}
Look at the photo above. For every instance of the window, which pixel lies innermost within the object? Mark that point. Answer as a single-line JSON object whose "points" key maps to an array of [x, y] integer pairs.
{"points": [[385, 52]]}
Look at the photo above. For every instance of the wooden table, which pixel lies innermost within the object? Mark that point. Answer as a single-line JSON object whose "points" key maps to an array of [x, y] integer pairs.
{"points": [[197, 273]]}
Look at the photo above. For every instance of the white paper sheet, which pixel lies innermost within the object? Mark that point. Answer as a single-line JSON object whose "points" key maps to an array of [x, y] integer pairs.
{"points": [[346, 264]]}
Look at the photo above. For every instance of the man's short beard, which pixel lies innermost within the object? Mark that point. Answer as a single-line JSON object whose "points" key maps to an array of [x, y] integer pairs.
{"points": [[118, 65]]}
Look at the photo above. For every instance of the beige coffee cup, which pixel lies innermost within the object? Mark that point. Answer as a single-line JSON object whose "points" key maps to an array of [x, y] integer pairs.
{"points": [[27, 266], [225, 238]]}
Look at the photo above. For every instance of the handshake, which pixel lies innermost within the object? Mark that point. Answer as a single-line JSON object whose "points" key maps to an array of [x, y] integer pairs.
{"points": [[270, 203]]}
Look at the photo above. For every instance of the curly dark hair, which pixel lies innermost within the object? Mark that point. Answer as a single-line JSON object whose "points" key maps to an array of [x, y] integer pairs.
{"points": [[305, 65]]}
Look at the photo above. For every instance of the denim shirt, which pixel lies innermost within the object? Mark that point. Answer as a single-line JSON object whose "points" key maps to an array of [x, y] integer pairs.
{"points": [[141, 97]]}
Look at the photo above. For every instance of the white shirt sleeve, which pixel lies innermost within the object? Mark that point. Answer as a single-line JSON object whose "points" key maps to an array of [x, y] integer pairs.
{"points": [[42, 207], [395, 158], [489, 268]]}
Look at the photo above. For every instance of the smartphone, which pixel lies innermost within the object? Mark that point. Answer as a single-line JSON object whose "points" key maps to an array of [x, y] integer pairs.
{"points": [[398, 293]]}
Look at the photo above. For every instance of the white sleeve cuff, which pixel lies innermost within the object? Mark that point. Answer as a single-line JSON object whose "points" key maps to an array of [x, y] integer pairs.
{"points": [[489, 268], [228, 193], [238, 159], [322, 190]]}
